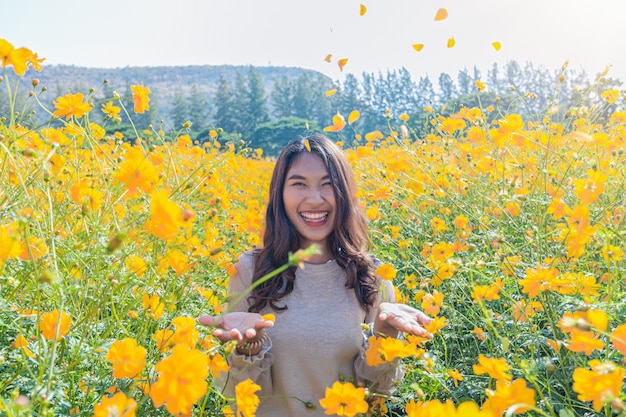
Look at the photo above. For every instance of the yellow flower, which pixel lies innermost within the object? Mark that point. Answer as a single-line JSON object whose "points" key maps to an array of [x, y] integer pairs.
{"points": [[386, 349], [154, 304], [610, 96], [510, 395], [141, 101], [111, 111], [217, 365], [9, 245], [118, 405], [128, 359], [186, 333], [618, 338], [456, 376], [71, 105], [18, 58], [343, 399], [386, 272], [601, 384], [137, 174], [495, 368], [166, 217], [338, 124], [247, 400], [182, 380], [49, 323]]}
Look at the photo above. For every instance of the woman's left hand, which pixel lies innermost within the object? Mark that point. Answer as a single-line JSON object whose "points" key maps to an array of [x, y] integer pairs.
{"points": [[395, 318]]}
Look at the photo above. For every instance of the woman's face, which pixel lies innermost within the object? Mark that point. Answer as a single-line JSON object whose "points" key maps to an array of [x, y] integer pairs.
{"points": [[309, 200]]}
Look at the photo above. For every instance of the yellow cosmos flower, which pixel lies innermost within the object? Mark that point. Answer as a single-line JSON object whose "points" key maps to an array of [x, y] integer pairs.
{"points": [[166, 217], [55, 325], [515, 396], [343, 399], [128, 359], [71, 105], [141, 101], [600, 384], [118, 405], [182, 380], [495, 368], [186, 333], [111, 111], [246, 399], [386, 271]]}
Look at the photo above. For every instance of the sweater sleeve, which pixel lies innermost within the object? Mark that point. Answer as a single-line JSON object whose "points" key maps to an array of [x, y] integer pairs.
{"points": [[256, 367], [382, 378]]}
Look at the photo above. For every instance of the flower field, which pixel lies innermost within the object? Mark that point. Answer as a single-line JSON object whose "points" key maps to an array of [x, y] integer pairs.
{"points": [[509, 232]]}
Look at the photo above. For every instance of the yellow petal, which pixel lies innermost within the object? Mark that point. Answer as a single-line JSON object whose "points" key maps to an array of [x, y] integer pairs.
{"points": [[353, 116], [451, 42], [496, 46], [270, 316], [442, 14], [342, 62], [418, 46], [328, 57], [362, 10], [307, 145], [331, 92]]}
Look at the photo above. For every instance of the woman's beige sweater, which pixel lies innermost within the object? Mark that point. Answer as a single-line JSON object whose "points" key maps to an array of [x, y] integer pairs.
{"points": [[313, 343]]}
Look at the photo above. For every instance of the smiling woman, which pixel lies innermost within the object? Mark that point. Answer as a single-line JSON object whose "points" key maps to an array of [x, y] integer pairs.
{"points": [[326, 312]]}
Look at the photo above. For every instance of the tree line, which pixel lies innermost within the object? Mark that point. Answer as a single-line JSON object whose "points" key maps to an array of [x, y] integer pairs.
{"points": [[266, 114]]}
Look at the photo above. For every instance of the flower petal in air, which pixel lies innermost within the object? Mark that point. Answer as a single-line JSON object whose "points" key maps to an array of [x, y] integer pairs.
{"points": [[331, 92], [342, 63], [353, 116], [362, 10], [328, 57], [418, 46], [451, 42], [441, 14], [496, 45]]}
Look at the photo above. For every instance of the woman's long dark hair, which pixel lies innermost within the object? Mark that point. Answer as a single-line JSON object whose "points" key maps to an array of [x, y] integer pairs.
{"points": [[348, 243]]}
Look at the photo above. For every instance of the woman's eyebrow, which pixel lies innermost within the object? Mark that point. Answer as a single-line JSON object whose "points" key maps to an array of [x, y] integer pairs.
{"points": [[300, 177]]}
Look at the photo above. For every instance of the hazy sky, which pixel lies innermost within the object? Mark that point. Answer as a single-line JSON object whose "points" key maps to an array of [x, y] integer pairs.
{"points": [[591, 34]]}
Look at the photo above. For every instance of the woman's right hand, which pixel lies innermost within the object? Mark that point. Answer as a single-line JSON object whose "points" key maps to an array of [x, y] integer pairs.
{"points": [[238, 326]]}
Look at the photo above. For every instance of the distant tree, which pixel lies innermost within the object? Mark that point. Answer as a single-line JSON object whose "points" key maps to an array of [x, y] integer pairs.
{"points": [[310, 101], [179, 114], [199, 111], [273, 136], [240, 104], [447, 89], [493, 80], [256, 103], [425, 92], [282, 97], [465, 82], [225, 115]]}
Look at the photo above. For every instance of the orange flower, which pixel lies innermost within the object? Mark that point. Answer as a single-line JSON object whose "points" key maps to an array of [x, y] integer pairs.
{"points": [[601, 384], [618, 338], [128, 359], [111, 111], [456, 376], [71, 105], [431, 303], [141, 101], [154, 304], [185, 333], [510, 395], [137, 174], [495, 368], [343, 399], [386, 272], [182, 380], [54, 327], [9, 245], [247, 400], [217, 365], [18, 58], [166, 217], [386, 349], [118, 405], [164, 339]]}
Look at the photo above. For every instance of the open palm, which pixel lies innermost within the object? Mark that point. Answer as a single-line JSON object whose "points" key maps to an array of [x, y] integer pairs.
{"points": [[238, 326]]}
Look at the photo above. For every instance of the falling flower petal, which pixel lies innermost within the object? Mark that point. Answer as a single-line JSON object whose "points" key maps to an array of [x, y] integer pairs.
{"points": [[307, 145], [328, 57], [342, 62], [331, 92], [451, 42], [442, 14], [496, 46], [353, 116], [362, 10], [418, 46]]}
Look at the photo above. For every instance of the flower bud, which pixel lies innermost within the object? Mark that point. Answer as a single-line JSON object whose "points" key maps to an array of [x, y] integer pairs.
{"points": [[35, 82], [116, 241]]}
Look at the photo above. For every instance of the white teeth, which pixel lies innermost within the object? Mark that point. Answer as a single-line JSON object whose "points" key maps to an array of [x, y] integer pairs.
{"points": [[314, 216]]}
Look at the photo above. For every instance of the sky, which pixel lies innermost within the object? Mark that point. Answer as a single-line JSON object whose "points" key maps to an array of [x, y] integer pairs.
{"points": [[589, 34]]}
